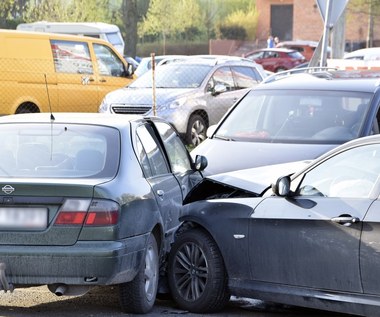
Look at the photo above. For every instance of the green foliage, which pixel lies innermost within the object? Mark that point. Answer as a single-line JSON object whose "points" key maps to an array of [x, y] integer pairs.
{"points": [[233, 32], [246, 20]]}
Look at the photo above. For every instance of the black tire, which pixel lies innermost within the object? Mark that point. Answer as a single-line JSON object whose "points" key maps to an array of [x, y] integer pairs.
{"points": [[139, 295], [196, 273], [196, 130]]}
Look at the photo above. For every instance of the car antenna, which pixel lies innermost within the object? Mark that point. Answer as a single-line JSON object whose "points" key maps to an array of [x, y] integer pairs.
{"points": [[47, 91]]}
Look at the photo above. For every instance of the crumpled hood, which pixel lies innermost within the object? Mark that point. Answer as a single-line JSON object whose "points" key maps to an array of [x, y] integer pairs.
{"points": [[143, 96], [252, 182]]}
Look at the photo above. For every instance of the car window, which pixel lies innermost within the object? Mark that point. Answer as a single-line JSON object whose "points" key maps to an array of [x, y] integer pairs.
{"points": [[58, 151], [353, 174], [295, 54], [177, 153], [71, 57], [223, 76], [245, 77], [327, 117], [109, 63], [151, 153]]}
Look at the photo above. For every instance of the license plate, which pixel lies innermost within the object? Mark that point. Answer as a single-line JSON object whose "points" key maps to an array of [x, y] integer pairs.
{"points": [[23, 218]]}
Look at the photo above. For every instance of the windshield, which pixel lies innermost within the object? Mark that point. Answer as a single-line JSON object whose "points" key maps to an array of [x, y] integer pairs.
{"points": [[114, 38], [174, 75], [302, 116], [58, 151]]}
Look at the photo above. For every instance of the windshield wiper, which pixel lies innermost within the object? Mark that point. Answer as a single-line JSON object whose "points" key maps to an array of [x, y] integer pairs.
{"points": [[222, 138]]}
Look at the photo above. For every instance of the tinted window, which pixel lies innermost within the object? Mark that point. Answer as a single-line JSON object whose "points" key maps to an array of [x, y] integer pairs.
{"points": [[109, 63], [152, 151], [223, 76], [245, 77], [297, 117], [350, 174], [178, 155], [58, 151], [71, 57]]}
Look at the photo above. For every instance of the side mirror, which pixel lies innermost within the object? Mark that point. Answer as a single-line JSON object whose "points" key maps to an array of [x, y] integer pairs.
{"points": [[210, 130], [200, 162], [218, 89], [282, 186], [129, 71]]}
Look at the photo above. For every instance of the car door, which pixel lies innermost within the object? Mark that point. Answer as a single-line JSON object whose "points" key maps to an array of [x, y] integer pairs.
{"points": [[157, 173], [312, 239], [219, 103], [75, 73], [178, 157]]}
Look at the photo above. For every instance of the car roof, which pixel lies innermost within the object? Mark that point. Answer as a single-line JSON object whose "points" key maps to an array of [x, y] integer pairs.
{"points": [[334, 80], [275, 49], [299, 43], [101, 119]]}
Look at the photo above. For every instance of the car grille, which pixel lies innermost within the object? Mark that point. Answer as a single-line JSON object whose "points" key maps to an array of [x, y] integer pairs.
{"points": [[131, 110]]}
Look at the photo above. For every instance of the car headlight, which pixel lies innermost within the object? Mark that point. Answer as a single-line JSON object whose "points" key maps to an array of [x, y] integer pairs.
{"points": [[104, 106], [174, 104]]}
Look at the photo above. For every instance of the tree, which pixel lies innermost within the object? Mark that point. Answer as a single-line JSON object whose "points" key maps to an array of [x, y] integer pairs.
{"points": [[166, 17], [130, 19], [10, 12]]}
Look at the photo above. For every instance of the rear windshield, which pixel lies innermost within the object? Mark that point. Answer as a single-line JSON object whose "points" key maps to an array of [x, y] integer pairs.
{"points": [[58, 151], [327, 117]]}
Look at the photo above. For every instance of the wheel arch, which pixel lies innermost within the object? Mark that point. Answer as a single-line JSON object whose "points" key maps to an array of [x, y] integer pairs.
{"points": [[201, 113]]}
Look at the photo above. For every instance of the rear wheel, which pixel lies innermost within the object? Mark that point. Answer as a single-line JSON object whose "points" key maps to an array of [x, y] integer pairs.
{"points": [[197, 276], [139, 295], [196, 130]]}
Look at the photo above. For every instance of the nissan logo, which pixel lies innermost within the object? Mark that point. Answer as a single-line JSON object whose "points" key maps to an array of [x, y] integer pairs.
{"points": [[8, 189]]}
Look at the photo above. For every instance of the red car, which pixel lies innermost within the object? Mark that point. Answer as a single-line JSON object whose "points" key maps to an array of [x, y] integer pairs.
{"points": [[276, 59]]}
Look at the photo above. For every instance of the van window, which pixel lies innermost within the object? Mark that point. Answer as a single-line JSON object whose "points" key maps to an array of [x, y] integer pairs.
{"points": [[71, 57], [109, 63], [114, 38]]}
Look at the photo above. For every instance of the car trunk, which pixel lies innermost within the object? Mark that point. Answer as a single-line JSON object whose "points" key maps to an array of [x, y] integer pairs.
{"points": [[29, 209]]}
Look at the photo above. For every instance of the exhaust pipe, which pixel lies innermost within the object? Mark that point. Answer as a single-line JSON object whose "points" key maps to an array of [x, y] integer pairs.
{"points": [[60, 289]]}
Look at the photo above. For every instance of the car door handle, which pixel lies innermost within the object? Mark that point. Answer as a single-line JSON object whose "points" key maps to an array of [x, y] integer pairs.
{"points": [[345, 220], [160, 193], [102, 80]]}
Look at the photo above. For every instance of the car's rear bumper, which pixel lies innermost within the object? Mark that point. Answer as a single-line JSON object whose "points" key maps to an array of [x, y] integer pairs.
{"points": [[85, 263]]}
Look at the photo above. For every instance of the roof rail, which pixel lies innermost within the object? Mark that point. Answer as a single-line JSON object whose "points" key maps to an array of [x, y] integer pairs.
{"points": [[323, 72]]}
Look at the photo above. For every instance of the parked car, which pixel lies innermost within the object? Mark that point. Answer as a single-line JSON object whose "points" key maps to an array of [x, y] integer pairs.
{"points": [[276, 59], [365, 54], [191, 94], [312, 241], [306, 48], [90, 199], [291, 118]]}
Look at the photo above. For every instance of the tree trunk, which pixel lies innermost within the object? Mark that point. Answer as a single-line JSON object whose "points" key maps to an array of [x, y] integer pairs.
{"points": [[130, 17]]}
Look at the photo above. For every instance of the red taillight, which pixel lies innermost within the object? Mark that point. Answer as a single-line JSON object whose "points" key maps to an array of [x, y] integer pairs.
{"points": [[102, 218], [70, 218], [87, 212]]}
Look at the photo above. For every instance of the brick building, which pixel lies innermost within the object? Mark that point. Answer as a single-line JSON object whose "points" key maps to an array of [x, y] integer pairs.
{"points": [[301, 20]]}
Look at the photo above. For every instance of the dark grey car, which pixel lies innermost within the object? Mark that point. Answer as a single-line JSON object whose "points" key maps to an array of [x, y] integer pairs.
{"points": [[90, 199], [293, 118], [313, 240]]}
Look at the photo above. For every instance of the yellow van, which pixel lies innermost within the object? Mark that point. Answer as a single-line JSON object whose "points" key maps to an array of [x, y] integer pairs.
{"points": [[43, 72]]}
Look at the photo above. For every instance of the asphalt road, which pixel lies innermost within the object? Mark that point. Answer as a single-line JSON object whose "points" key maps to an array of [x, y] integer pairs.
{"points": [[103, 302]]}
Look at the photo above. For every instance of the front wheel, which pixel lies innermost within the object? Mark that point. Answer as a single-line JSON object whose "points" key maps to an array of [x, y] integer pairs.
{"points": [[196, 130], [196, 274], [139, 295]]}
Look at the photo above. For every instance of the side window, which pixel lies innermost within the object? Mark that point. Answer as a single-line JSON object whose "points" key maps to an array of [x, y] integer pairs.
{"points": [[353, 174], [175, 149], [153, 153], [245, 77], [109, 63], [71, 57], [223, 76]]}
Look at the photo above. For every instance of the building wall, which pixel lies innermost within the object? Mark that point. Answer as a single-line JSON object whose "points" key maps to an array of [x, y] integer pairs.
{"points": [[308, 23]]}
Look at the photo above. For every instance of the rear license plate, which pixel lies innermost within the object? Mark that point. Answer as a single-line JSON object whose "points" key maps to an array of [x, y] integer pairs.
{"points": [[23, 218]]}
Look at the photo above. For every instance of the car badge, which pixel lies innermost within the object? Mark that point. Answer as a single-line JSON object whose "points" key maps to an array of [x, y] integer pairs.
{"points": [[8, 189]]}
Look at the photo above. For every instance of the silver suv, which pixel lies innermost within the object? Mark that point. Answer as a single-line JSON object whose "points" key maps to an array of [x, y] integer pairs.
{"points": [[191, 94]]}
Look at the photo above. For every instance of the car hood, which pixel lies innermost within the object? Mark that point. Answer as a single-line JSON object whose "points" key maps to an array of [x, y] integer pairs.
{"points": [[252, 182], [143, 96], [242, 155]]}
